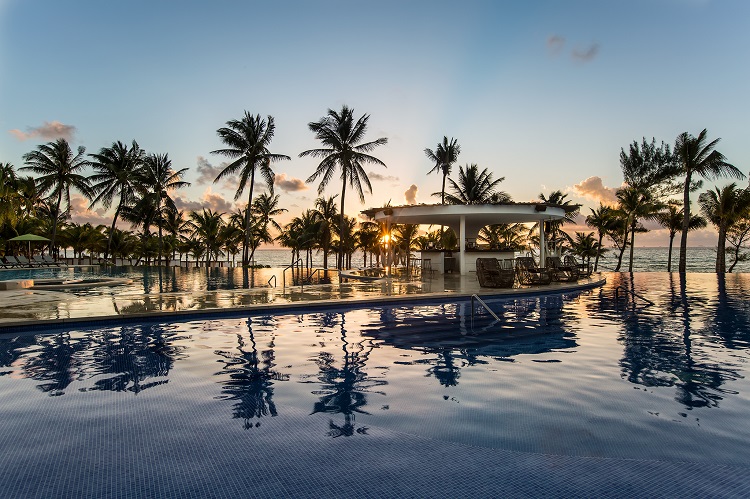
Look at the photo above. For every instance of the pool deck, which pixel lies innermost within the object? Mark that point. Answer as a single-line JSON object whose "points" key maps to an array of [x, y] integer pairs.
{"points": [[37, 309]]}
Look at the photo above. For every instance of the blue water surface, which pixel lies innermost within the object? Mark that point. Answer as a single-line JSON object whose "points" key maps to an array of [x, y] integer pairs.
{"points": [[162, 408]]}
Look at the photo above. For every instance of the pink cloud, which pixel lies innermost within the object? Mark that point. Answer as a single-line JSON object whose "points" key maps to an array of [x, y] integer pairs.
{"points": [[593, 188], [47, 131]]}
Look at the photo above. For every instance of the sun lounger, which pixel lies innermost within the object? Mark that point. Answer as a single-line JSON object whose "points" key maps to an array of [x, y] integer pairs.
{"points": [[583, 269], [51, 261], [528, 272], [561, 272], [491, 274], [39, 261], [12, 262], [24, 262]]}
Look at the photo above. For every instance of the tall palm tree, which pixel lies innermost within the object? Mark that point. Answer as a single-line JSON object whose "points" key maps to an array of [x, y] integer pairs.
{"points": [[475, 187], [59, 170], [723, 207], [444, 156], [342, 137], [158, 175], [637, 203], [326, 209], [247, 142], [671, 219], [10, 200], [698, 157], [116, 173], [368, 237], [585, 246]]}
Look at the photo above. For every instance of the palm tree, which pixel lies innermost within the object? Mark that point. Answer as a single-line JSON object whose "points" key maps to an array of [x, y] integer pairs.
{"points": [[116, 173], [10, 200], [475, 187], [264, 207], [206, 227], [504, 237], [175, 225], [247, 142], [444, 155], [585, 246], [405, 236], [326, 209], [59, 170], [601, 220], [342, 138], [698, 158], [636, 203], [554, 235], [723, 207], [158, 175], [368, 237], [671, 219]]}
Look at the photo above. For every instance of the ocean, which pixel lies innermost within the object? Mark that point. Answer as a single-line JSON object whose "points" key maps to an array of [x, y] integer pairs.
{"points": [[644, 259]]}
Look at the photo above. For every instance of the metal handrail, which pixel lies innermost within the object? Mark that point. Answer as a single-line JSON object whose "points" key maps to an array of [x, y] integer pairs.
{"points": [[626, 291], [283, 272], [273, 278], [309, 278], [486, 307]]}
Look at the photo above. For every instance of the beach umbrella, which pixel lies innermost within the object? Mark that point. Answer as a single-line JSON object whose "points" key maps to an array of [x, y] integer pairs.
{"points": [[29, 238]]}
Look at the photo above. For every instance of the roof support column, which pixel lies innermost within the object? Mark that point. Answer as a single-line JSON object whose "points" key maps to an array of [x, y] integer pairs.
{"points": [[462, 245], [542, 245]]}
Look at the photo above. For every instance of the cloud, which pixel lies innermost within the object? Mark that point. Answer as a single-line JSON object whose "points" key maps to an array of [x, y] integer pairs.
{"points": [[381, 178], [290, 184], [47, 131], [411, 194], [593, 188], [81, 214], [208, 172], [210, 200], [555, 44], [585, 55]]}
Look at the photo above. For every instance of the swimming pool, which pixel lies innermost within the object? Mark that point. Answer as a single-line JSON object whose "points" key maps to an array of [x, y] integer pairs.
{"points": [[272, 401]]}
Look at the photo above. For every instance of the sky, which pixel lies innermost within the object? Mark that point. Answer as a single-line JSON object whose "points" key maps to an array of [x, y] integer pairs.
{"points": [[542, 93]]}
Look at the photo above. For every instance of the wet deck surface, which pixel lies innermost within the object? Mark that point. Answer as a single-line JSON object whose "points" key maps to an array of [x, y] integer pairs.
{"points": [[29, 308]]}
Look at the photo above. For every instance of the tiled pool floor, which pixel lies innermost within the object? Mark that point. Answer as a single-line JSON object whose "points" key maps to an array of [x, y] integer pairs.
{"points": [[140, 456]]}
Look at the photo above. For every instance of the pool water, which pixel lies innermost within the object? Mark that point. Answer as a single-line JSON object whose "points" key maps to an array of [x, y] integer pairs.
{"points": [[578, 374]]}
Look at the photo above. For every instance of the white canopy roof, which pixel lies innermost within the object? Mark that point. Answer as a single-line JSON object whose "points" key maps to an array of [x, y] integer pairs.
{"points": [[475, 216]]}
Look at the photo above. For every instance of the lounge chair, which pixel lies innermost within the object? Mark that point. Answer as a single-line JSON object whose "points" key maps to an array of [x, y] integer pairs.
{"points": [[528, 271], [39, 261], [583, 269], [12, 262], [25, 262], [560, 271], [51, 261], [492, 274]]}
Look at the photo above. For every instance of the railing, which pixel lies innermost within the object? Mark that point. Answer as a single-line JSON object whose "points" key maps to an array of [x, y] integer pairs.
{"points": [[273, 278], [309, 278], [484, 305], [283, 272], [632, 293]]}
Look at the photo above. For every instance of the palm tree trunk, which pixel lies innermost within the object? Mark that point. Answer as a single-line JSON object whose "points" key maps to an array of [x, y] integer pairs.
{"points": [[54, 222], [721, 254], [341, 225], [598, 251], [112, 229], [669, 255], [632, 245], [245, 259], [685, 224], [442, 192]]}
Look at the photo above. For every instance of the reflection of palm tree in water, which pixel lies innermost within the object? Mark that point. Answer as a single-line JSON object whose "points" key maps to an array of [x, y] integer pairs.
{"points": [[119, 361], [659, 352], [250, 380], [343, 390]]}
